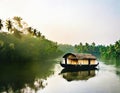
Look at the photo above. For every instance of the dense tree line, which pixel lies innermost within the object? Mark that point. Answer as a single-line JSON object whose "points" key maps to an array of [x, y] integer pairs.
{"points": [[87, 48], [20, 42], [107, 52], [111, 51], [66, 48]]}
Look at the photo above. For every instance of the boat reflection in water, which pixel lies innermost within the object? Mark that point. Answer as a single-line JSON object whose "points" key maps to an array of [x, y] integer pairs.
{"points": [[71, 75]]}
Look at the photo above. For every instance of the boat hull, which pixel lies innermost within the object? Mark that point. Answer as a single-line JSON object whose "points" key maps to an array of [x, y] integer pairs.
{"points": [[70, 66]]}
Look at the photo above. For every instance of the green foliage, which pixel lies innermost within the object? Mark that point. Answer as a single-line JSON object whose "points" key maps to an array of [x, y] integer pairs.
{"points": [[9, 25], [26, 49], [105, 52], [117, 48], [66, 48], [87, 48], [25, 44], [26, 54], [1, 25], [110, 52]]}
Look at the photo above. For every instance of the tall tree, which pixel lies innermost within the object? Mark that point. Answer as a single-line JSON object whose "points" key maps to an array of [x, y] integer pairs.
{"points": [[117, 48], [93, 44], [9, 25], [30, 30], [34, 32], [38, 34], [18, 21], [1, 24], [80, 47], [86, 47]]}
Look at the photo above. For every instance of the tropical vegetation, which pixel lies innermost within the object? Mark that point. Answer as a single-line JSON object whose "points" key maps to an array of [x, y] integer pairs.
{"points": [[111, 51], [20, 42]]}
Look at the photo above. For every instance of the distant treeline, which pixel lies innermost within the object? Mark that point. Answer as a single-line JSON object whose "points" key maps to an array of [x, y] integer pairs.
{"points": [[21, 43], [102, 51]]}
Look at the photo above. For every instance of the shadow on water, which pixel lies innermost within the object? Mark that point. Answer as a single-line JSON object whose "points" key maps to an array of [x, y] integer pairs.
{"points": [[24, 77], [75, 75]]}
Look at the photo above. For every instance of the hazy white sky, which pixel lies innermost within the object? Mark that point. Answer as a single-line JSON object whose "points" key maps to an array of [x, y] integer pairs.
{"points": [[69, 21]]}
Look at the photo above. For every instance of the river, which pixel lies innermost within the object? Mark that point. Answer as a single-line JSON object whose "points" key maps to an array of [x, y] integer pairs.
{"points": [[53, 79]]}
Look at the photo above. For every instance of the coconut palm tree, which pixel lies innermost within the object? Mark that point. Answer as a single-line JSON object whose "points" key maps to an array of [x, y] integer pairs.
{"points": [[18, 20], [81, 47], [43, 37], [117, 48], [9, 25], [30, 30], [34, 32], [38, 34], [1, 25], [86, 47]]}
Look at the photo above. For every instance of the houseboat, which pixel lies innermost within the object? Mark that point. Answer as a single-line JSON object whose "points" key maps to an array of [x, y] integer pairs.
{"points": [[79, 61]]}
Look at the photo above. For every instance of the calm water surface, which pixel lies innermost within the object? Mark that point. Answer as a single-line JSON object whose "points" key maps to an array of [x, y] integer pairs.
{"points": [[35, 78], [104, 80]]}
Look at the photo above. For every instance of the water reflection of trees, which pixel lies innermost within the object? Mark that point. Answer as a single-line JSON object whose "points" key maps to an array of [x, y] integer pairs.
{"points": [[22, 78], [71, 75], [110, 61], [115, 62]]}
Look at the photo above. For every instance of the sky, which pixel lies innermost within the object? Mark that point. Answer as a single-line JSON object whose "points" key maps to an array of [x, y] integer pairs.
{"points": [[69, 21]]}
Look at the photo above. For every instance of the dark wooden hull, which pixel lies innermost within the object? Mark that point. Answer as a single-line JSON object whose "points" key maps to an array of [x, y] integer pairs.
{"points": [[70, 66], [67, 70]]}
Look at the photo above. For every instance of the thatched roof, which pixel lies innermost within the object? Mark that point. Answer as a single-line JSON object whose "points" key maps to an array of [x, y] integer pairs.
{"points": [[79, 56]]}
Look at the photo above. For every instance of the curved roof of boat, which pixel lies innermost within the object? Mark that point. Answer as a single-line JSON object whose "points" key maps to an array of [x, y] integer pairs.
{"points": [[80, 56]]}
